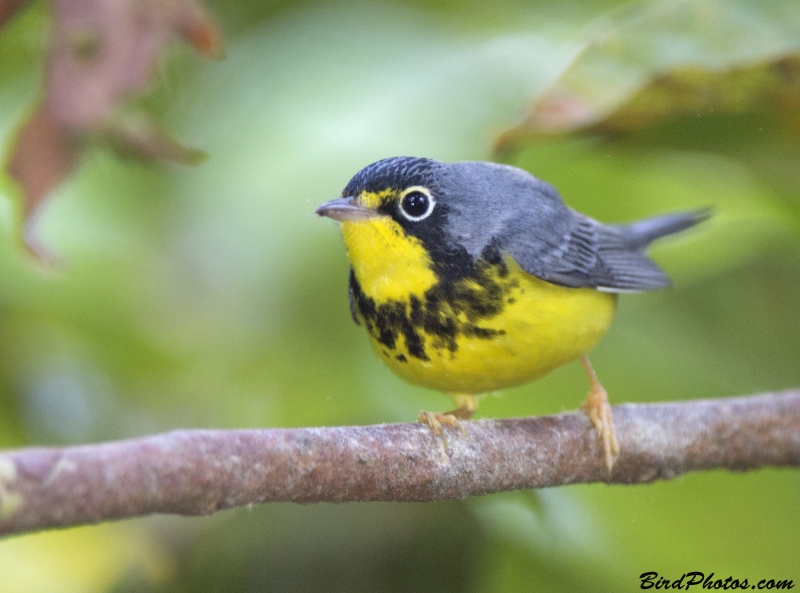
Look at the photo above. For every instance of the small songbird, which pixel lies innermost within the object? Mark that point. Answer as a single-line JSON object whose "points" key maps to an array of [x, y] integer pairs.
{"points": [[471, 277]]}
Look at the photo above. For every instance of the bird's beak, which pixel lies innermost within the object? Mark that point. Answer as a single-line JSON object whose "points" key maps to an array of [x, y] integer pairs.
{"points": [[346, 209]]}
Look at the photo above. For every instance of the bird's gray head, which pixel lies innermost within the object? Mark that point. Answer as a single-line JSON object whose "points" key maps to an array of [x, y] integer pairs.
{"points": [[457, 210]]}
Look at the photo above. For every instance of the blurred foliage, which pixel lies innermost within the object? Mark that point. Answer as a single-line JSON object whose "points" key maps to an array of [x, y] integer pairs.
{"points": [[660, 59], [212, 297]]}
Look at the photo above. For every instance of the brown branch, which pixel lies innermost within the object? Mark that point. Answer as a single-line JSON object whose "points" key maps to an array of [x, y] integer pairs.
{"points": [[194, 472]]}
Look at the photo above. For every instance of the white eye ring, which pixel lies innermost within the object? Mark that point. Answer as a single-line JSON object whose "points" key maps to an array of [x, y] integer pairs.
{"points": [[419, 205]]}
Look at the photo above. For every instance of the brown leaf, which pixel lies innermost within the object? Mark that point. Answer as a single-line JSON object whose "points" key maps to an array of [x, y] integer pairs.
{"points": [[44, 155], [138, 136], [199, 29], [103, 52], [8, 8]]}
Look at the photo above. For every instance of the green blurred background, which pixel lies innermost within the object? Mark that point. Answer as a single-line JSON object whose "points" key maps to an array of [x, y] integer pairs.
{"points": [[213, 297]]}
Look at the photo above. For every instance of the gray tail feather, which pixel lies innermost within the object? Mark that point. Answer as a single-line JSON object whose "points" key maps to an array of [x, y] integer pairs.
{"points": [[621, 249], [641, 233]]}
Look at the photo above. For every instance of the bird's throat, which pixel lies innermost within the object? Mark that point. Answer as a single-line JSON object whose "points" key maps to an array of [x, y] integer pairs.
{"points": [[388, 263]]}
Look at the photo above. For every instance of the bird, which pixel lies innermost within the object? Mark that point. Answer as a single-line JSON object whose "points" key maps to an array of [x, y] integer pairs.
{"points": [[471, 277]]}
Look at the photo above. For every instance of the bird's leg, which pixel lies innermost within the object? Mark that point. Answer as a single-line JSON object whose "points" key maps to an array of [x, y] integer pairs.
{"points": [[598, 409], [466, 406]]}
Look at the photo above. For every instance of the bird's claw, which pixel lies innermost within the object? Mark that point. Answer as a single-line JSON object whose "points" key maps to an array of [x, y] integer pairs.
{"points": [[436, 419], [598, 409]]}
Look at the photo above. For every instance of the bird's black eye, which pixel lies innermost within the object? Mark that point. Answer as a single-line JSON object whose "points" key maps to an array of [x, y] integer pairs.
{"points": [[416, 203]]}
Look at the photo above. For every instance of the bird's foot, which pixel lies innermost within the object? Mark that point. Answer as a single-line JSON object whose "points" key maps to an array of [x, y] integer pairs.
{"points": [[598, 409], [467, 404], [436, 419]]}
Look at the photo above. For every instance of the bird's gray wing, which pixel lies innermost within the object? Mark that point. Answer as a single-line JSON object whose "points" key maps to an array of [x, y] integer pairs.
{"points": [[505, 207], [590, 254]]}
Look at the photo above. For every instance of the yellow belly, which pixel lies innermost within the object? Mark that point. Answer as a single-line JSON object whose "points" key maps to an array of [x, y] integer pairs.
{"points": [[500, 329], [542, 327]]}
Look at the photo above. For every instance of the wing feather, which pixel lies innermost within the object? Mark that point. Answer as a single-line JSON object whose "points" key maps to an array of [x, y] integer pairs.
{"points": [[608, 257]]}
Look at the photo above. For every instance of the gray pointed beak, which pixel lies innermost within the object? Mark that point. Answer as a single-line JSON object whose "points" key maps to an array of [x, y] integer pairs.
{"points": [[346, 209]]}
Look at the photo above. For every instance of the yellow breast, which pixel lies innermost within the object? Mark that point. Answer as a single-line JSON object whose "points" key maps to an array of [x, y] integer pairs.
{"points": [[501, 328]]}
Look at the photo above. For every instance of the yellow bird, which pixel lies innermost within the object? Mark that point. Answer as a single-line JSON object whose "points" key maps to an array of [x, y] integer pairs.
{"points": [[471, 277]]}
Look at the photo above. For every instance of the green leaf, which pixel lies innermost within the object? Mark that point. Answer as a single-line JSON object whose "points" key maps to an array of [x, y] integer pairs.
{"points": [[662, 60]]}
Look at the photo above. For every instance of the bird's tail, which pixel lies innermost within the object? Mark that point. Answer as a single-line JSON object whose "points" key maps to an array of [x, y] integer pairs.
{"points": [[643, 232]]}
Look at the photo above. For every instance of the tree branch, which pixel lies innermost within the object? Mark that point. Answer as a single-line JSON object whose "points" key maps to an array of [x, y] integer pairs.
{"points": [[194, 472]]}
